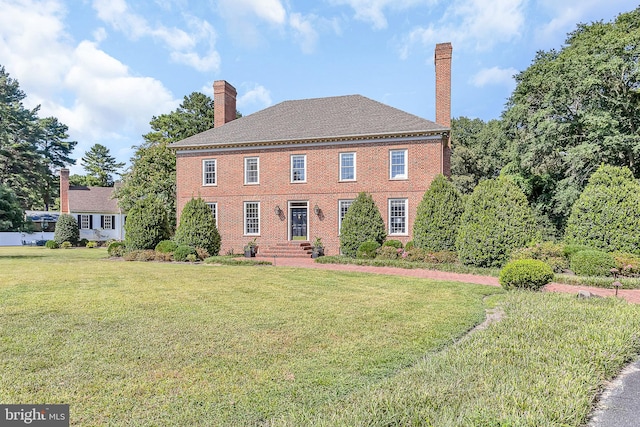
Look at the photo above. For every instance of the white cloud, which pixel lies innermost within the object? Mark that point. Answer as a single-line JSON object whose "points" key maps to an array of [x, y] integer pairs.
{"points": [[94, 94], [255, 97], [271, 11], [372, 11], [495, 76], [306, 35], [184, 46], [471, 24]]}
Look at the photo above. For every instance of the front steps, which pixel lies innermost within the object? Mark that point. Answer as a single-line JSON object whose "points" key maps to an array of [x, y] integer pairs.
{"points": [[294, 249]]}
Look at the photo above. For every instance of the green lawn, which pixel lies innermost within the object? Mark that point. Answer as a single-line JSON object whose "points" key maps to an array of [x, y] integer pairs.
{"points": [[178, 344]]}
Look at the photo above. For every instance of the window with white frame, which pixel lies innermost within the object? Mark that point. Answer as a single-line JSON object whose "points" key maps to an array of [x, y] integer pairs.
{"points": [[209, 172], [251, 175], [252, 218], [347, 166], [298, 168], [343, 207], [398, 216], [398, 164], [85, 222], [107, 222], [214, 211]]}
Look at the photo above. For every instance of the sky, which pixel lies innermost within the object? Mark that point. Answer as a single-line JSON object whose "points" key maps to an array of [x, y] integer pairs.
{"points": [[105, 68]]}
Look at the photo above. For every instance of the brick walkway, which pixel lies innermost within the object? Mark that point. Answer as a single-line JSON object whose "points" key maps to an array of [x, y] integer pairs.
{"points": [[632, 296]]}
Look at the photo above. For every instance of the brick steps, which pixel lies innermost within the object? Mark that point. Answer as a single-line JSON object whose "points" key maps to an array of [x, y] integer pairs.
{"points": [[297, 249]]}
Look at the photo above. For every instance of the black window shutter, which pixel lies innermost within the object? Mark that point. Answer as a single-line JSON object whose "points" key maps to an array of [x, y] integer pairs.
{"points": [[79, 221], [101, 221], [90, 222], [113, 222]]}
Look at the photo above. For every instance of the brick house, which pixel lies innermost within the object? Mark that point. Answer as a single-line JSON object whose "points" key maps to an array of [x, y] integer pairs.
{"points": [[287, 174], [99, 217]]}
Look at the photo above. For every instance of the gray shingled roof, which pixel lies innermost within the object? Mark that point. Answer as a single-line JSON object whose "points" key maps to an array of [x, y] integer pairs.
{"points": [[92, 200], [314, 119]]}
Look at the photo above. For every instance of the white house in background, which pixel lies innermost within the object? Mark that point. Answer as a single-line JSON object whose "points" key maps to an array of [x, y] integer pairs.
{"points": [[99, 217]]}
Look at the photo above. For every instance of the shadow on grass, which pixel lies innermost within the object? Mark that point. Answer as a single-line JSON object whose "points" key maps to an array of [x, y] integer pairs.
{"points": [[20, 256]]}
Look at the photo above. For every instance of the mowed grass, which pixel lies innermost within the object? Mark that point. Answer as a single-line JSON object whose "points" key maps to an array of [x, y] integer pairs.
{"points": [[130, 343]]}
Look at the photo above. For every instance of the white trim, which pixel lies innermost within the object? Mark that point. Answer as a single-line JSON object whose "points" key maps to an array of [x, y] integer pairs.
{"points": [[204, 172], [244, 222], [406, 216], [298, 181], [215, 208], [405, 175], [340, 167], [257, 159], [275, 146], [300, 204]]}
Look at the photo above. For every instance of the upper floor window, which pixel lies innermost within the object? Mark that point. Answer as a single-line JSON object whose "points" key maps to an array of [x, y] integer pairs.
{"points": [[299, 168], [209, 172], [398, 216], [251, 169], [347, 166], [398, 164], [214, 211]]}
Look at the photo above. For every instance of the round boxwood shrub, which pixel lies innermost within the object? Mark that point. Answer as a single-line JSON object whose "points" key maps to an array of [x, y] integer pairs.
{"points": [[361, 223], [410, 245], [146, 224], [52, 244], [592, 263], [66, 245], [393, 243], [497, 219], [438, 217], [66, 230], [166, 246], [367, 250], [606, 216], [182, 251], [198, 227], [529, 274], [116, 249], [550, 252]]}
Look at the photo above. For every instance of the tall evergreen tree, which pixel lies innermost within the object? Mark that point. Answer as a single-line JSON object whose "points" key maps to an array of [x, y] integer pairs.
{"points": [[10, 211], [361, 223], [101, 165]]}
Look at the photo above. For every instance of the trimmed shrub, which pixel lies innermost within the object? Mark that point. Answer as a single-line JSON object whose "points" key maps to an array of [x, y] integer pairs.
{"points": [[66, 230], [192, 258], [52, 244], [146, 224], [116, 249], [82, 243], [569, 250], [438, 216], [529, 274], [198, 227], [367, 250], [626, 263], [592, 263], [92, 244], [393, 243], [444, 257], [606, 216], [410, 245], [549, 252], [416, 255], [166, 246], [182, 251], [387, 252], [497, 219], [66, 245], [361, 223]]}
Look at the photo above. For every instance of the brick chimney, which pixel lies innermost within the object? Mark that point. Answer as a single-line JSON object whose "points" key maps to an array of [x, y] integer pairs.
{"points": [[224, 103], [442, 59], [64, 191]]}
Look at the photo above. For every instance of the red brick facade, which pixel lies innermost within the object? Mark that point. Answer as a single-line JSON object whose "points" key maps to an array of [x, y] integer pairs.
{"points": [[426, 155]]}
